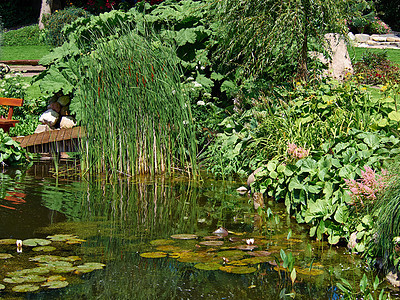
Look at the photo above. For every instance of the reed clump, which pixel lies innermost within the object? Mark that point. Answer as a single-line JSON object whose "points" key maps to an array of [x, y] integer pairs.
{"points": [[136, 114]]}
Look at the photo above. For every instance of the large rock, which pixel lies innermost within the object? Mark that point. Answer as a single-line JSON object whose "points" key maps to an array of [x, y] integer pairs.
{"points": [[339, 64], [361, 38], [54, 106], [352, 37], [42, 128], [67, 122], [378, 38], [64, 100], [49, 117]]}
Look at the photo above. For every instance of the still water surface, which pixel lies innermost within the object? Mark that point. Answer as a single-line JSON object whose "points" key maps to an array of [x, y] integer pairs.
{"points": [[119, 222]]}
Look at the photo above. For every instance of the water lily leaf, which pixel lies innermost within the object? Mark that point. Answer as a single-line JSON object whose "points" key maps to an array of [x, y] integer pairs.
{"points": [[25, 288], [259, 253], [37, 271], [94, 265], [83, 269], [62, 269], [5, 256], [207, 266], [57, 263], [153, 254], [44, 248], [212, 243], [55, 284], [61, 237], [237, 263], [212, 237], [184, 236], [238, 270], [2, 286], [45, 258], [75, 241], [161, 242], [14, 280], [256, 260], [8, 242], [246, 247], [35, 242], [168, 248], [33, 278], [56, 278], [71, 258], [231, 254]]}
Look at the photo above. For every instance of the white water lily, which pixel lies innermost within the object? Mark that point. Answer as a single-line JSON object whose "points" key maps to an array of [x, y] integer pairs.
{"points": [[200, 102], [196, 84]]}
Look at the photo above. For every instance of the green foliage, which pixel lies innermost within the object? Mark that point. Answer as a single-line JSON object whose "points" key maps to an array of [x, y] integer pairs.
{"points": [[25, 36], [389, 12], [23, 52], [262, 34], [11, 153], [140, 77], [367, 289], [18, 13], [56, 21]]}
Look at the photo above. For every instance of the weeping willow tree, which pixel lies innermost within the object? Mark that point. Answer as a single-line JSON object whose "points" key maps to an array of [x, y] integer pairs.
{"points": [[259, 34], [134, 110]]}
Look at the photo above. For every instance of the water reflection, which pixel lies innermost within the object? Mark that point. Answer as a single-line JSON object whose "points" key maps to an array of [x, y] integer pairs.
{"points": [[119, 221]]}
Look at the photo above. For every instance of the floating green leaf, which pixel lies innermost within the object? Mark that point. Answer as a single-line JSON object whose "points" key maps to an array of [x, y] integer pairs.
{"points": [[208, 266], [238, 270], [14, 280], [212, 243], [25, 288], [93, 265], [168, 248], [37, 271], [55, 284], [61, 237], [153, 254], [2, 286], [184, 236], [8, 241], [161, 242], [5, 256], [35, 242]]}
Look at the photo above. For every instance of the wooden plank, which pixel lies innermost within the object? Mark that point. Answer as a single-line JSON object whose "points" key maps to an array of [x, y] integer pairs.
{"points": [[46, 137], [31, 140], [11, 101], [29, 62]]}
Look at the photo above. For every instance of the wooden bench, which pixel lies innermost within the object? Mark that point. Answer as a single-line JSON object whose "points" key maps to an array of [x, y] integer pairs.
{"points": [[8, 122]]}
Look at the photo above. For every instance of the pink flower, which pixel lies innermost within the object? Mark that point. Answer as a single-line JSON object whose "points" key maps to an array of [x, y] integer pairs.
{"points": [[297, 152]]}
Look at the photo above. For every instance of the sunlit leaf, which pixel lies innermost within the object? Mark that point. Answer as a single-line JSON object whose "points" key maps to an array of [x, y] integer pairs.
{"points": [[36, 242], [161, 242], [55, 284], [212, 243], [207, 266], [44, 248], [238, 270], [184, 236], [25, 288], [153, 254], [8, 241], [5, 256]]}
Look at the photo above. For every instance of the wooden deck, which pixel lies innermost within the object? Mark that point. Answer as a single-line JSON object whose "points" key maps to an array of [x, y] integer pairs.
{"points": [[62, 140]]}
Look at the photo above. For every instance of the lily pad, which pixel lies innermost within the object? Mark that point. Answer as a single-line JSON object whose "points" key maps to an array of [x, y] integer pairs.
{"points": [[45, 258], [36, 242], [61, 237], [153, 254], [93, 265], [232, 254], [62, 269], [212, 243], [212, 237], [14, 280], [184, 236], [37, 271], [238, 270], [25, 288], [2, 286], [55, 278], [208, 266], [71, 258], [33, 278], [8, 241], [161, 242], [44, 248], [75, 241], [196, 257], [55, 284], [58, 263], [259, 253], [247, 247], [237, 263], [168, 248], [5, 256]]}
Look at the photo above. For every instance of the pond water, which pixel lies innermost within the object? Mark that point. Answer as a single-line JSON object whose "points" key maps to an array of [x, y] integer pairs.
{"points": [[121, 225]]}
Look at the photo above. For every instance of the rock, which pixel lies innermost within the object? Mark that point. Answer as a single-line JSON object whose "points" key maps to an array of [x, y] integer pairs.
{"points": [[54, 106], [252, 177], [49, 117], [361, 38], [371, 43], [67, 122], [64, 100], [352, 240], [378, 38], [340, 64], [352, 37], [64, 111], [42, 128], [258, 200], [391, 39], [393, 279]]}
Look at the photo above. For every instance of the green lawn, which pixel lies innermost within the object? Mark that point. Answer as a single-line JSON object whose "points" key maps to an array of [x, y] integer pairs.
{"points": [[356, 53], [23, 52]]}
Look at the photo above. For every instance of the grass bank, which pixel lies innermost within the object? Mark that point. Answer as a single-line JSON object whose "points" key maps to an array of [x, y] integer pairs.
{"points": [[392, 54], [23, 52]]}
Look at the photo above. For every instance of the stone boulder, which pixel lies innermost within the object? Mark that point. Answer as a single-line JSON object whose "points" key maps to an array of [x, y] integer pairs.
{"points": [[64, 100], [42, 128], [54, 106], [49, 117], [67, 122], [361, 38]]}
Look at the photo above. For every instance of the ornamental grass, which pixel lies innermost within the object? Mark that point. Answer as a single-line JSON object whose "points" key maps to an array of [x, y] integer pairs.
{"points": [[136, 115]]}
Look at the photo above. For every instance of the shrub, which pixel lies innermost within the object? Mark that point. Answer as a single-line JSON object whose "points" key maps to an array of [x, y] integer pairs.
{"points": [[378, 26], [25, 36], [11, 152], [376, 68], [56, 21]]}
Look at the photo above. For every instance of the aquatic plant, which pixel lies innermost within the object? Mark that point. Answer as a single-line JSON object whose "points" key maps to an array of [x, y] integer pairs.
{"points": [[136, 115]]}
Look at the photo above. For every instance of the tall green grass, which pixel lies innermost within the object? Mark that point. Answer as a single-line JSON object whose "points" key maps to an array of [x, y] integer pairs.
{"points": [[137, 117]]}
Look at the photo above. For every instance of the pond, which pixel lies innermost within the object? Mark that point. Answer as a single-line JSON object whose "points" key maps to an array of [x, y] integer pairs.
{"points": [[123, 232]]}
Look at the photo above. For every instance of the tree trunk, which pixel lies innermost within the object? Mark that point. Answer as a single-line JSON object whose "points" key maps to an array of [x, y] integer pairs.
{"points": [[44, 10], [302, 70]]}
